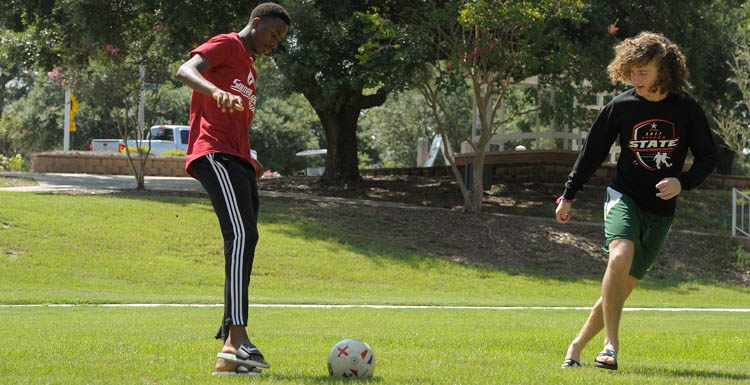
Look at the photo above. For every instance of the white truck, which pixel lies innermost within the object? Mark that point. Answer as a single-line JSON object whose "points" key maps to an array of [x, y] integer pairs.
{"points": [[163, 138]]}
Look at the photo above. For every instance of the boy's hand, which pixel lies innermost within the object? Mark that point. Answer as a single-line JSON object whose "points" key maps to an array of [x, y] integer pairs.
{"points": [[562, 214], [227, 100], [668, 188]]}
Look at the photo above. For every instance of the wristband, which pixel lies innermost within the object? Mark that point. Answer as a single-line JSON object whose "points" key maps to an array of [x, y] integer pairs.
{"points": [[561, 199]]}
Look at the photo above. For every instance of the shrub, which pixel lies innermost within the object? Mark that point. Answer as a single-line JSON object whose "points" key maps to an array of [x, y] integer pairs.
{"points": [[174, 153], [14, 163], [133, 150]]}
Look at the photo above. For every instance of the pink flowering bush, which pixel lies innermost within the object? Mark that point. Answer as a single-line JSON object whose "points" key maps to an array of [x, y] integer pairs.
{"points": [[57, 76], [112, 49]]}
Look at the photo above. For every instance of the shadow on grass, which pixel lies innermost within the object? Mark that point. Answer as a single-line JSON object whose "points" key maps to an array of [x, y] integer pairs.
{"points": [[327, 379], [692, 373], [421, 238]]}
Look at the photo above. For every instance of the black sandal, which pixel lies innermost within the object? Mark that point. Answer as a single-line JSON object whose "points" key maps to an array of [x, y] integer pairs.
{"points": [[248, 355], [606, 353], [571, 363]]}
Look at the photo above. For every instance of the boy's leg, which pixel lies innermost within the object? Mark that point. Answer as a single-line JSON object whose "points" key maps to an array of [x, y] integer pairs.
{"points": [[594, 324], [614, 291], [620, 225], [232, 189]]}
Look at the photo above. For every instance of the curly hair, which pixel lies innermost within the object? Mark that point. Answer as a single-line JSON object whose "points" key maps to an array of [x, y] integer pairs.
{"points": [[644, 48], [271, 10]]}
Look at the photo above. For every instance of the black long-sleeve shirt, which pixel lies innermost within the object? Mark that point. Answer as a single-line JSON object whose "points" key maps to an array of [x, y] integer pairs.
{"points": [[654, 138]]}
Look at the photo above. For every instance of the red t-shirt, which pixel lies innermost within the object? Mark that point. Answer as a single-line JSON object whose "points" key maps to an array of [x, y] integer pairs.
{"points": [[211, 130]]}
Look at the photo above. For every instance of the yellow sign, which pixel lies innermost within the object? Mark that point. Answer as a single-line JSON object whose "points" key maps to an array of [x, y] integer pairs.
{"points": [[73, 109]]}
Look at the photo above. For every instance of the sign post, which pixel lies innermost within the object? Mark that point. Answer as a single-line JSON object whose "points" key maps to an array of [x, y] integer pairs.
{"points": [[433, 151]]}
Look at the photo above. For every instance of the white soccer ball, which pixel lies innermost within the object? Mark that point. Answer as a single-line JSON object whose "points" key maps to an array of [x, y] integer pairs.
{"points": [[351, 358]]}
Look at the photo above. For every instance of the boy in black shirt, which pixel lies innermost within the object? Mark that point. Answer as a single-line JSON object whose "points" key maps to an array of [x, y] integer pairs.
{"points": [[657, 122]]}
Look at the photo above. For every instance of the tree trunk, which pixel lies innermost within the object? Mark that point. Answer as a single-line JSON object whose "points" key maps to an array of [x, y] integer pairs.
{"points": [[339, 118], [342, 162], [2, 101]]}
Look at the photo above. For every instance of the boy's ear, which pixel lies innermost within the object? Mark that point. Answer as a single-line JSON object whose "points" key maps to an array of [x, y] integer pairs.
{"points": [[255, 22]]}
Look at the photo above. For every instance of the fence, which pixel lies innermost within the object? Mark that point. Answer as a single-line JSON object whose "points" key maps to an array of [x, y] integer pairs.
{"points": [[741, 220], [571, 139]]}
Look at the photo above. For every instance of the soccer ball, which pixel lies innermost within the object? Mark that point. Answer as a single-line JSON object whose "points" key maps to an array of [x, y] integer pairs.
{"points": [[351, 358]]}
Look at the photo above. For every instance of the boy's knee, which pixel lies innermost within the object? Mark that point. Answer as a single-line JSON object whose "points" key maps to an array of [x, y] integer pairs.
{"points": [[621, 254], [620, 262], [251, 238]]}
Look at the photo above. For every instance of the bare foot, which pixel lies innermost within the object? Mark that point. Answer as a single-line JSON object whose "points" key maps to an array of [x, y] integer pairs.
{"points": [[607, 357], [223, 365], [574, 352]]}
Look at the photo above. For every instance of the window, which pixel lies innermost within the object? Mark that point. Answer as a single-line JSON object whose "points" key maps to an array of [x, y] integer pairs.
{"points": [[162, 133], [184, 135]]}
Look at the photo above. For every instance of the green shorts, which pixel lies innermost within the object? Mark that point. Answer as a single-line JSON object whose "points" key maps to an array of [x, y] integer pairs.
{"points": [[623, 219]]}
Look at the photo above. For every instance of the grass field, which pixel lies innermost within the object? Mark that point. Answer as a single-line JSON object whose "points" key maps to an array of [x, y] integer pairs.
{"points": [[164, 249], [97, 345]]}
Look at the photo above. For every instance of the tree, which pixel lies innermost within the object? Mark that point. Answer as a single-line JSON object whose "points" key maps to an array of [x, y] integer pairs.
{"points": [[487, 44], [395, 127], [99, 47], [734, 120], [283, 126], [108, 59], [33, 122], [321, 62]]}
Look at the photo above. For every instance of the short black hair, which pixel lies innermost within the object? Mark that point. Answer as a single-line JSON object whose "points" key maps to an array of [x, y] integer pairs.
{"points": [[271, 9]]}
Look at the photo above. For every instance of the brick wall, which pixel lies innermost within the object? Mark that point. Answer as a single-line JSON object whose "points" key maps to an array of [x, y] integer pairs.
{"points": [[527, 166], [109, 163]]}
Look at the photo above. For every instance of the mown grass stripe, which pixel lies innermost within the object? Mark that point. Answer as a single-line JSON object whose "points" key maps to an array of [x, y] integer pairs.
{"points": [[427, 307]]}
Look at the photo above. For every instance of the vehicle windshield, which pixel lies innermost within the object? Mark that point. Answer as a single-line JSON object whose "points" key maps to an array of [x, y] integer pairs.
{"points": [[162, 133]]}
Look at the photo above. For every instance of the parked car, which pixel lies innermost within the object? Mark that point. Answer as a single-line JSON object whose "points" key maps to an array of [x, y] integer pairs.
{"points": [[163, 138]]}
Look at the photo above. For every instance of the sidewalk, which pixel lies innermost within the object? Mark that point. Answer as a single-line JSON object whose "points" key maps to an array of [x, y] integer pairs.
{"points": [[57, 182], [49, 182]]}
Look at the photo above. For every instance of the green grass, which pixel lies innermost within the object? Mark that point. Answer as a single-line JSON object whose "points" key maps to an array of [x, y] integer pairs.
{"points": [[165, 249], [97, 345]]}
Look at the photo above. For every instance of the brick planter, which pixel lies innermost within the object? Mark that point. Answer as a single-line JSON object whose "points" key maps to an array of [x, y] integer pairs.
{"points": [[542, 166], [108, 163]]}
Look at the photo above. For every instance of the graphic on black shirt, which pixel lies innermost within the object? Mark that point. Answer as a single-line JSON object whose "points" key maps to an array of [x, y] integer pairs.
{"points": [[653, 142]]}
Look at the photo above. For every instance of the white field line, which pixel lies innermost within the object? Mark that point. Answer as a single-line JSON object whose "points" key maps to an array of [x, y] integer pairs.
{"points": [[426, 307]]}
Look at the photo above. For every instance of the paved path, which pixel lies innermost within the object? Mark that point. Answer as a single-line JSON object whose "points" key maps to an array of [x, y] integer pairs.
{"points": [[52, 182], [48, 182]]}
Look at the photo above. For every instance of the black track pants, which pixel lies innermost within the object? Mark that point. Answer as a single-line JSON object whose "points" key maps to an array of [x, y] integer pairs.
{"points": [[231, 185]]}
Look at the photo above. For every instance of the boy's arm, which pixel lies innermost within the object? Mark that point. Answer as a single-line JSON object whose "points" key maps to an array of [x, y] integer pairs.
{"points": [[190, 74], [701, 144], [600, 139]]}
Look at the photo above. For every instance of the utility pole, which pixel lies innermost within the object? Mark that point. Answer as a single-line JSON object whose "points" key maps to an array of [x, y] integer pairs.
{"points": [[66, 125]]}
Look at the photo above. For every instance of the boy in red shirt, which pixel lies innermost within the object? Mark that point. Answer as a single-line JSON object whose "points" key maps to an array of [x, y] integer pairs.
{"points": [[221, 74]]}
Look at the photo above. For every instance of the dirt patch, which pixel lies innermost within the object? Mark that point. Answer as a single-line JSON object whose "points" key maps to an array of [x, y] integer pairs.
{"points": [[12, 255], [515, 231]]}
